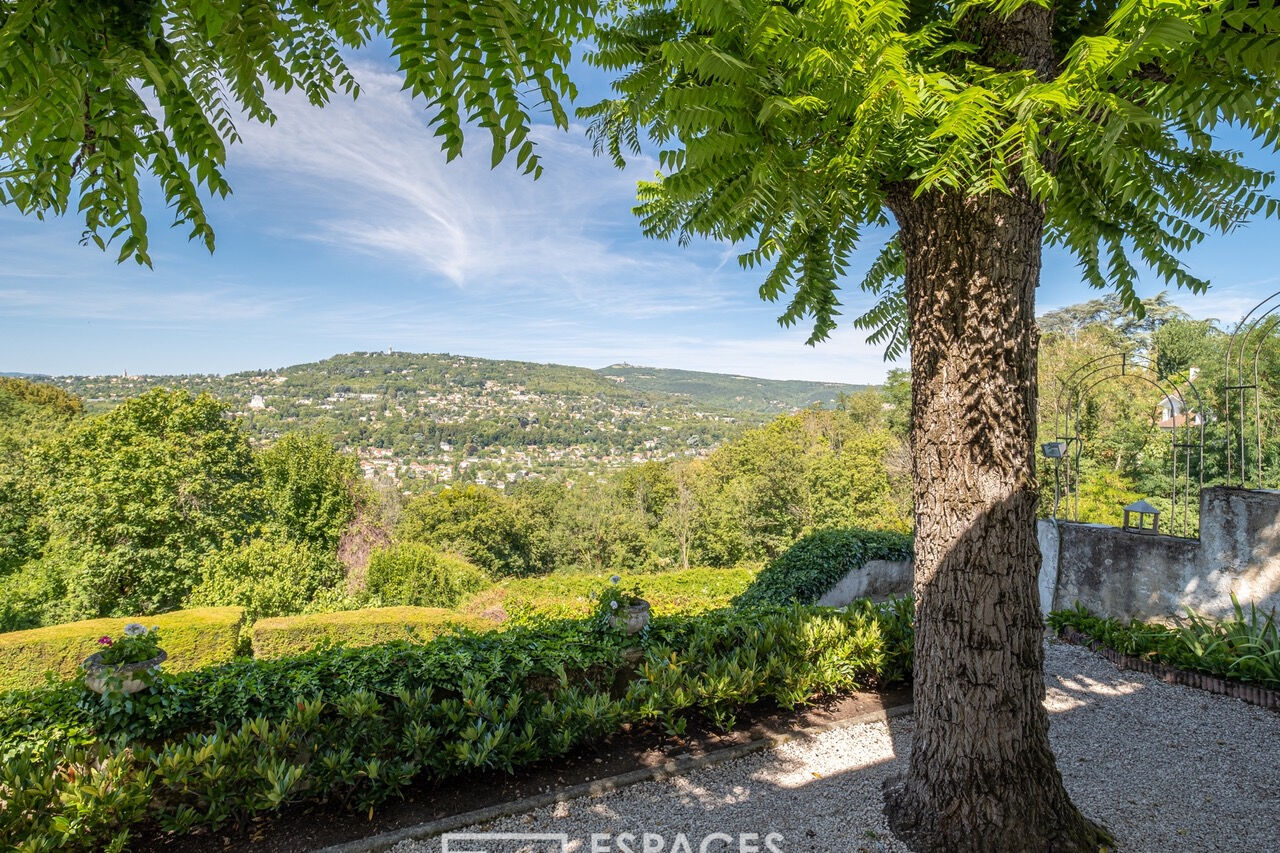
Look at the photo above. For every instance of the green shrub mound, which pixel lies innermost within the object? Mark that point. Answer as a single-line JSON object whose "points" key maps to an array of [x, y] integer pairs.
{"points": [[193, 639], [295, 635], [352, 727], [418, 575], [569, 596], [268, 578], [806, 570], [1244, 646]]}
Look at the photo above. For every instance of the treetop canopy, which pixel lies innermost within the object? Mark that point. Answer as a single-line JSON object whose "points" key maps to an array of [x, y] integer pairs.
{"points": [[795, 125]]}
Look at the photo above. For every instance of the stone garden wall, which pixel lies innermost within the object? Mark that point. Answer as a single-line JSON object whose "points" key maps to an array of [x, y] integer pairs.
{"points": [[1121, 574]]}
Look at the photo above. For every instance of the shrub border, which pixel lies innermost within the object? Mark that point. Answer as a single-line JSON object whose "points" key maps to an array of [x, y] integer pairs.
{"points": [[600, 787], [1254, 694], [195, 638]]}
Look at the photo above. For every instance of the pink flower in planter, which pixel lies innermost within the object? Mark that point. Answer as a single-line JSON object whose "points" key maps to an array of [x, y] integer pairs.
{"points": [[104, 641]]}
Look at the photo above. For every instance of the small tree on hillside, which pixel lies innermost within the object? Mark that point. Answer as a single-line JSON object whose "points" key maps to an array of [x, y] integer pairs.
{"points": [[476, 522], [310, 489]]}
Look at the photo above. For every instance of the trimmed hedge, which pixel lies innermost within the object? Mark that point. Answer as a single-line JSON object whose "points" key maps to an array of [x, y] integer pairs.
{"points": [[295, 635], [569, 596], [351, 728], [413, 574], [806, 570], [193, 639]]}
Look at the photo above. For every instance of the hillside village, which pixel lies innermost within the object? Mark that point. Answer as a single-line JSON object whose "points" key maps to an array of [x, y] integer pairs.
{"points": [[420, 421]]}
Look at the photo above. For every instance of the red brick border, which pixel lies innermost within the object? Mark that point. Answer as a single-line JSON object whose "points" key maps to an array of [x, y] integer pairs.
{"points": [[1252, 693]]}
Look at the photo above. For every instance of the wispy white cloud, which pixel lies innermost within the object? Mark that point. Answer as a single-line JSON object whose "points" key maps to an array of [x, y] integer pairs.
{"points": [[349, 231], [370, 177], [1230, 302]]}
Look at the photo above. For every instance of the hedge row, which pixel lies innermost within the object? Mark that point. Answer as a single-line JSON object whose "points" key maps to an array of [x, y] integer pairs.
{"points": [[352, 727], [295, 635], [808, 569], [193, 639], [208, 636], [569, 595]]}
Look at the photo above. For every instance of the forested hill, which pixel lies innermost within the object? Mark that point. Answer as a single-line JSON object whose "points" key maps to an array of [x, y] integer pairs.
{"points": [[729, 392], [434, 418], [396, 371]]}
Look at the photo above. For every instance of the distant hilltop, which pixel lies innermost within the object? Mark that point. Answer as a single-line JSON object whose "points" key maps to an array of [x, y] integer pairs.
{"points": [[730, 391], [377, 372], [423, 420]]}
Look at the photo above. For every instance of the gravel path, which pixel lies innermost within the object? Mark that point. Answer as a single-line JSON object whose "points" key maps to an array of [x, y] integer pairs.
{"points": [[1166, 768]]}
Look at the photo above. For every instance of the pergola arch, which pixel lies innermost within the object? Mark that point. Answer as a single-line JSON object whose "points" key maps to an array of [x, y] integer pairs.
{"points": [[1244, 349], [1186, 437]]}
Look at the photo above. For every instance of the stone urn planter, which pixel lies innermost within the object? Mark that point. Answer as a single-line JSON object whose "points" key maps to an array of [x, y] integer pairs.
{"points": [[101, 677], [632, 619]]}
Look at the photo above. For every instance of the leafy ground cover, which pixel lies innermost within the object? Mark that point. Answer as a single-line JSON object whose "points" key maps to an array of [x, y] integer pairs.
{"points": [[1245, 646], [352, 727]]}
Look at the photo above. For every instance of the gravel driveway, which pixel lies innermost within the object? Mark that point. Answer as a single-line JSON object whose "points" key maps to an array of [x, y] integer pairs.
{"points": [[1166, 768]]}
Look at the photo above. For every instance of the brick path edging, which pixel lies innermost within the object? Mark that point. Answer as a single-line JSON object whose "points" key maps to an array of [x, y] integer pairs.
{"points": [[1254, 694]]}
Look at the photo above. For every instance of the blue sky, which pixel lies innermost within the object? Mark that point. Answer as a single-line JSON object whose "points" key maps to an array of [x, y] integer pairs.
{"points": [[348, 231]]}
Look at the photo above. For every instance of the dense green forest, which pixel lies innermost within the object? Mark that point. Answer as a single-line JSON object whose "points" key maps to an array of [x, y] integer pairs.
{"points": [[175, 497]]}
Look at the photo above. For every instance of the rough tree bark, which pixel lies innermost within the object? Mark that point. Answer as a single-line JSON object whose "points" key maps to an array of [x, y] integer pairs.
{"points": [[981, 775]]}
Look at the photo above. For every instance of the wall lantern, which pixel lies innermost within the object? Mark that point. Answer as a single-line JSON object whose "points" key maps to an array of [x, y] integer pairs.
{"points": [[1054, 449], [1143, 513]]}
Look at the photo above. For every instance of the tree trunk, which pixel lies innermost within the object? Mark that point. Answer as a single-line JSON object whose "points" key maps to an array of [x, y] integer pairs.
{"points": [[982, 776]]}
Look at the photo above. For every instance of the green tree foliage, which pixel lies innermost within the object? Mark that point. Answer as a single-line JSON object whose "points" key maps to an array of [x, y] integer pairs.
{"points": [[747, 502], [1111, 312], [802, 472], [793, 125], [30, 413], [1182, 344], [418, 575], [649, 488], [98, 94], [136, 498], [1124, 453], [310, 489], [35, 595], [476, 522], [269, 578], [603, 527]]}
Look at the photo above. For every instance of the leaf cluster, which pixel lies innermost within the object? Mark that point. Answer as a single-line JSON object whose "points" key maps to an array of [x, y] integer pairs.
{"points": [[1244, 646], [100, 98], [354, 727], [792, 128]]}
